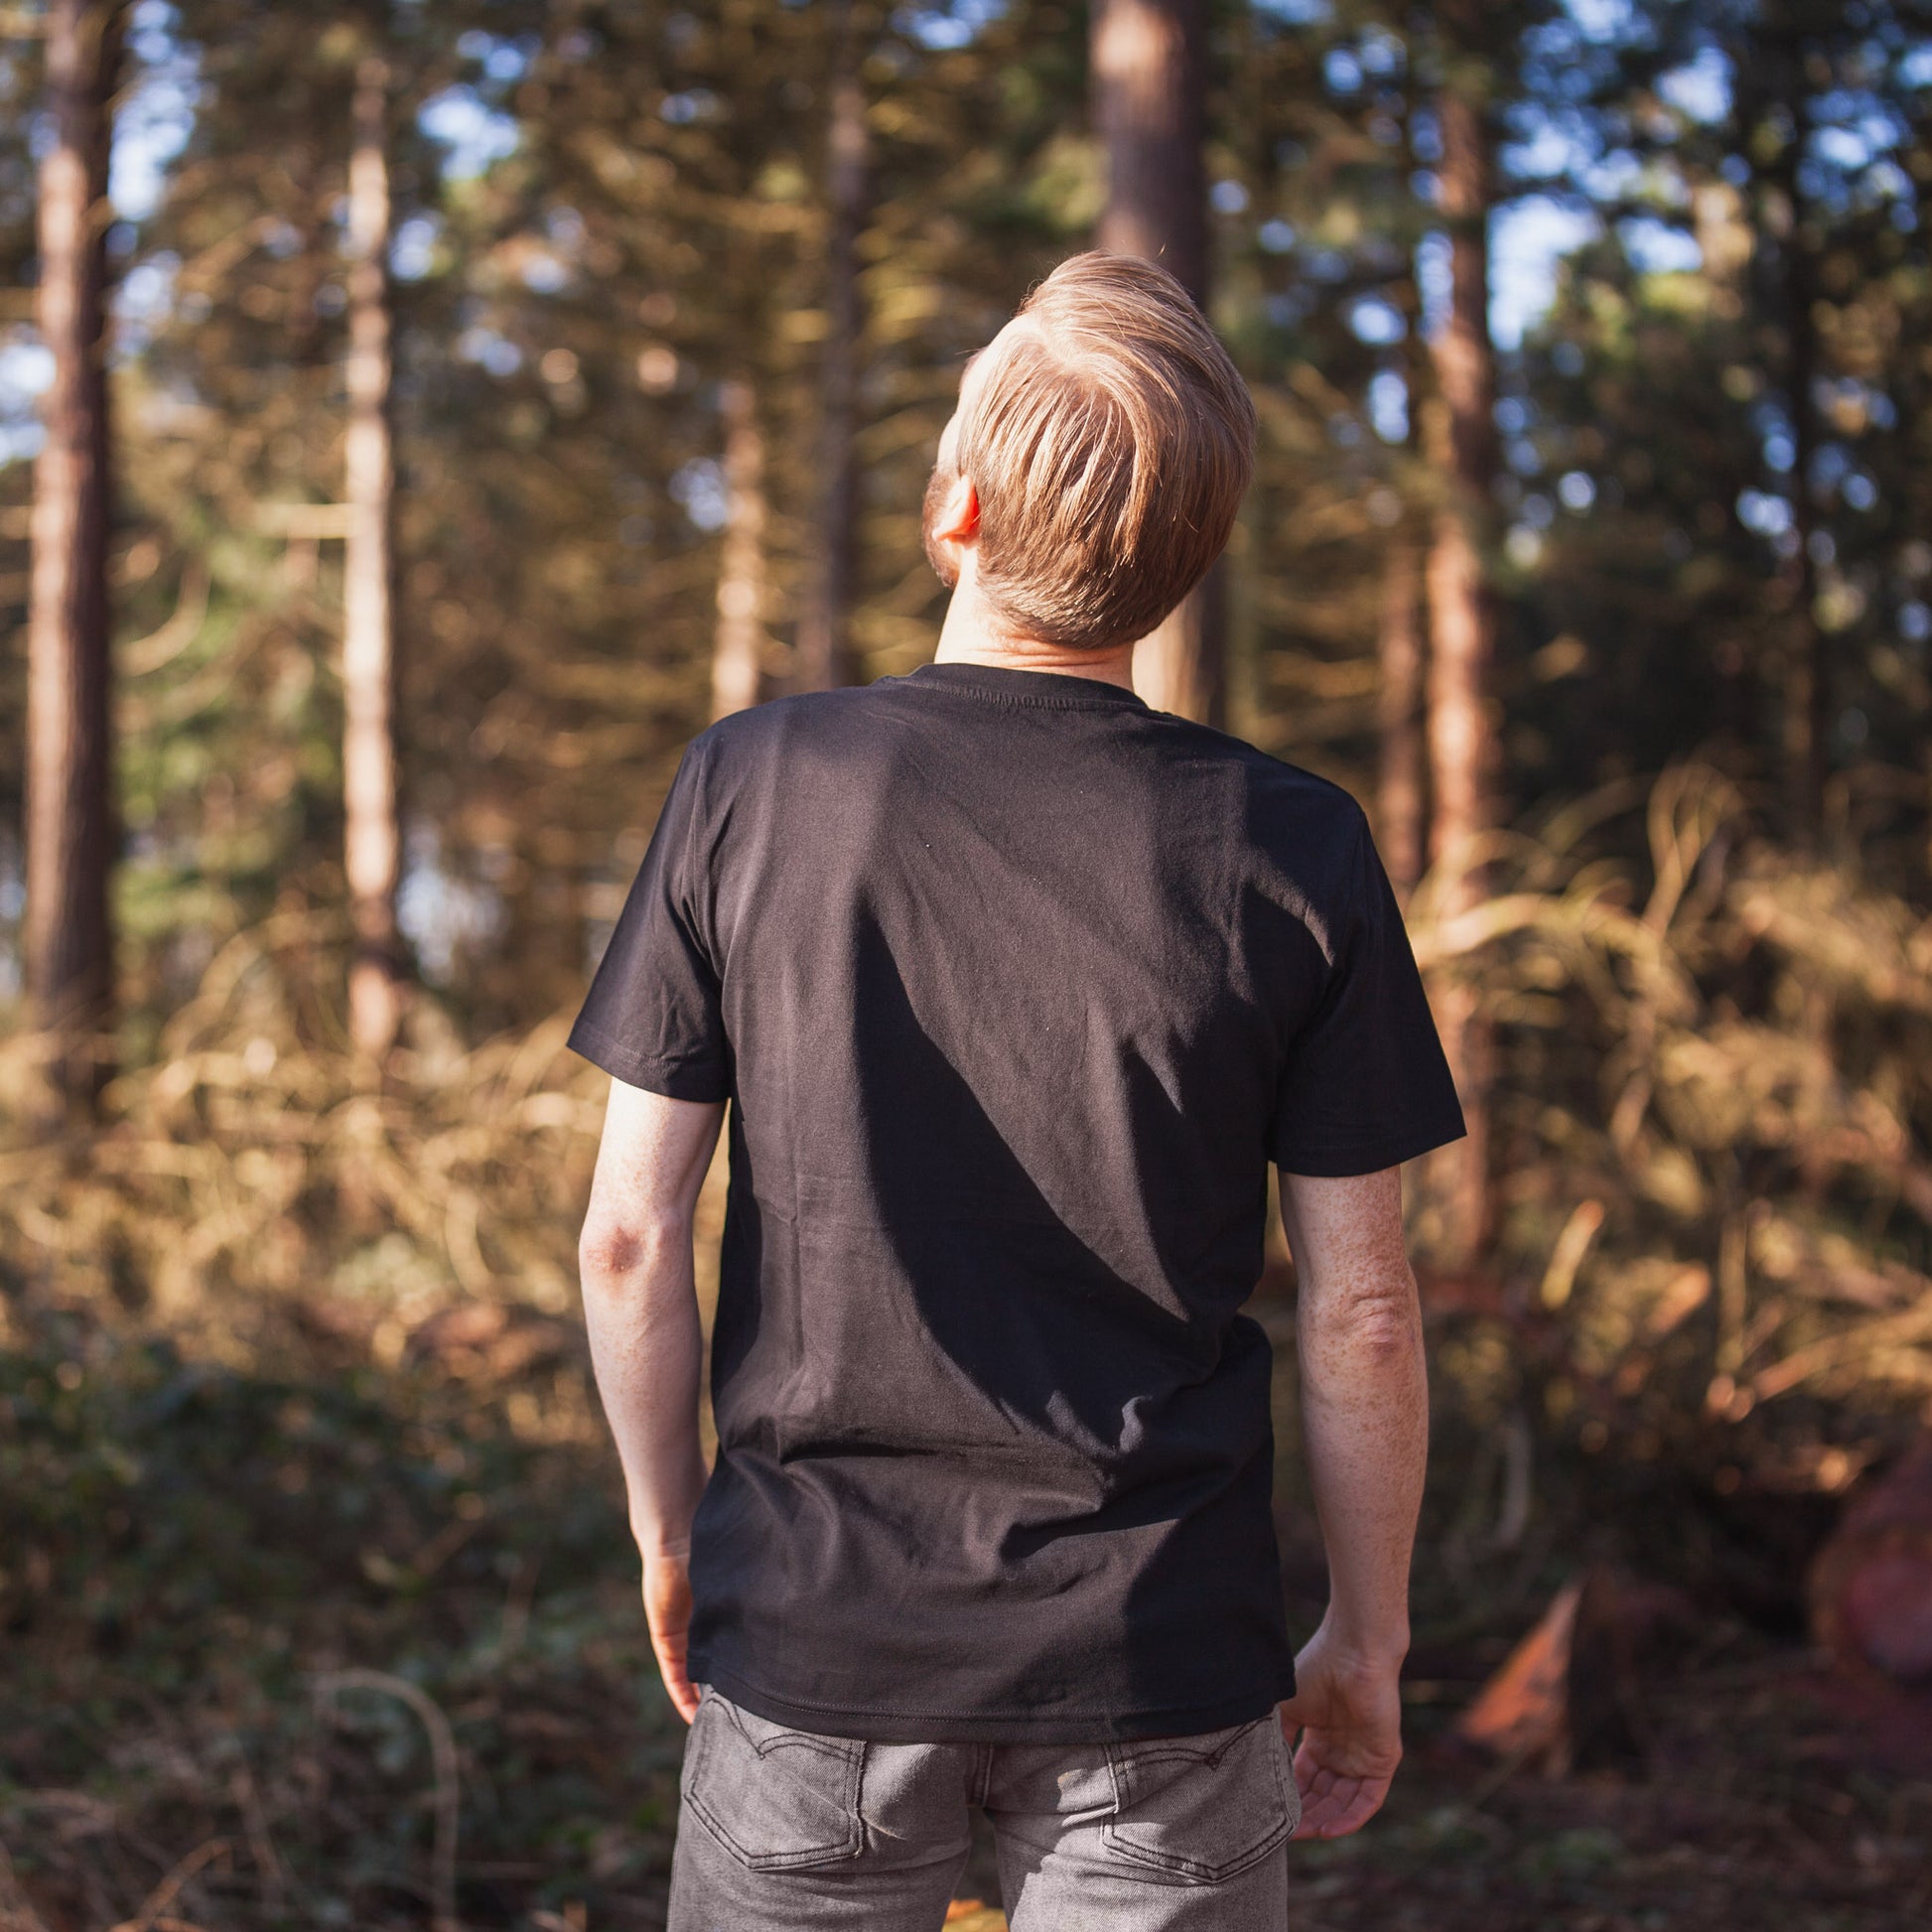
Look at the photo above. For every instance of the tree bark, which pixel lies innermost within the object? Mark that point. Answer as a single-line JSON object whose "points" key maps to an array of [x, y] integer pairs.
{"points": [[1398, 716], [737, 667], [1149, 110], [1806, 695], [1148, 75], [373, 846], [70, 831], [824, 649], [1463, 750]]}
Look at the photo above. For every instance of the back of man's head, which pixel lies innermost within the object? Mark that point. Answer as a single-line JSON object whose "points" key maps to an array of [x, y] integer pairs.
{"points": [[1109, 440]]}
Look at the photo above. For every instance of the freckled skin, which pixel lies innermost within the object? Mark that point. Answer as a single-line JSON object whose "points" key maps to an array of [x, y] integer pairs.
{"points": [[1365, 1422], [1364, 1396], [1364, 1404], [641, 1307]]}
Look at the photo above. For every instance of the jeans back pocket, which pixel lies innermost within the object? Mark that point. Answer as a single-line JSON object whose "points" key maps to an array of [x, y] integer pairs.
{"points": [[776, 1799], [1203, 1809]]}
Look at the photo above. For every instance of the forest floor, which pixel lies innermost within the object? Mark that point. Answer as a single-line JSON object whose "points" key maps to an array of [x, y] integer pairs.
{"points": [[345, 1647]]}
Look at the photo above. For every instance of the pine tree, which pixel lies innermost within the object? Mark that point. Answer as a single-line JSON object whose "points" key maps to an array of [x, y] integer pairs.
{"points": [[372, 835], [69, 802], [1148, 86]]}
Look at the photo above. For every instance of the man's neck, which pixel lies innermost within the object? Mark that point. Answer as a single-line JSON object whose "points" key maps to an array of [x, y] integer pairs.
{"points": [[972, 635]]}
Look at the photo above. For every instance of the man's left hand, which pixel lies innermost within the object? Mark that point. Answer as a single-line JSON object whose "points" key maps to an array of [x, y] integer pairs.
{"points": [[667, 1609]]}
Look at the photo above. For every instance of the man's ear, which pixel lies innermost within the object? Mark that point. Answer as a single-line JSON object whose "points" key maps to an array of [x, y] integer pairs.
{"points": [[958, 520]]}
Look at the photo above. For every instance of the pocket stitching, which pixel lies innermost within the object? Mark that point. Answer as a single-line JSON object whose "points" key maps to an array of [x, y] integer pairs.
{"points": [[848, 1847], [1119, 1761]]}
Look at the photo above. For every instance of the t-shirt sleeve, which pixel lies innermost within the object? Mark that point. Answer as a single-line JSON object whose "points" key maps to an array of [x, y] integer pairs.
{"points": [[655, 1015], [1365, 1084]]}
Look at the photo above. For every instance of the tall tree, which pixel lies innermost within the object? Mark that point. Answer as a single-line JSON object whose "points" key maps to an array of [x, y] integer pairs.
{"points": [[372, 848], [70, 803], [737, 667], [825, 657], [1399, 819], [1148, 75], [1777, 94], [1460, 444]]}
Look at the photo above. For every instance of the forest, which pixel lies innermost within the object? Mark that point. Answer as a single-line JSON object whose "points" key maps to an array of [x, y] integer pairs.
{"points": [[419, 418]]}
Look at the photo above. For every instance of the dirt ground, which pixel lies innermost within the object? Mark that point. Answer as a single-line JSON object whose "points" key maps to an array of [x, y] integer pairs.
{"points": [[1772, 1797], [360, 1650]]}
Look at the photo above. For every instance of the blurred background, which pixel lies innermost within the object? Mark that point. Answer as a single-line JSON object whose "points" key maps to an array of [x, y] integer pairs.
{"points": [[419, 417]]}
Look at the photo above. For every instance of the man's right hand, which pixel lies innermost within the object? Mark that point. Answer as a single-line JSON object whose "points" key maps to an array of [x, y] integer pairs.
{"points": [[667, 1609], [1348, 1710]]}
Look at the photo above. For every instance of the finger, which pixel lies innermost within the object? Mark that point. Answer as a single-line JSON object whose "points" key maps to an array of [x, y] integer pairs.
{"points": [[674, 1671], [1344, 1809]]}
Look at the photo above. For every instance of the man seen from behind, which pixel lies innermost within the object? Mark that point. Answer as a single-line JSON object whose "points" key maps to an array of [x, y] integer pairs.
{"points": [[1015, 989]]}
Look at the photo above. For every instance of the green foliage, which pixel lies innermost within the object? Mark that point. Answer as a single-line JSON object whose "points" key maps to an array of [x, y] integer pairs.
{"points": [[194, 1550], [233, 1455]]}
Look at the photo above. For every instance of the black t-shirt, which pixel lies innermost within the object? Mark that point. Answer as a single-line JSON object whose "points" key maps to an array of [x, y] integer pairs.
{"points": [[1015, 988]]}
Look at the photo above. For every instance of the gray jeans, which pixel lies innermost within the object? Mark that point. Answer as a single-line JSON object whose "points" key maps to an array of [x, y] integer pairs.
{"points": [[784, 1829]]}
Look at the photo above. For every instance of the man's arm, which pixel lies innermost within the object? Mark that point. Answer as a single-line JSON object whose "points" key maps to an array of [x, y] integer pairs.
{"points": [[641, 1305], [1365, 1422]]}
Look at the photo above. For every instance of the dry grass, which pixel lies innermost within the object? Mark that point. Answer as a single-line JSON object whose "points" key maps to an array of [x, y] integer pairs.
{"points": [[318, 1601]]}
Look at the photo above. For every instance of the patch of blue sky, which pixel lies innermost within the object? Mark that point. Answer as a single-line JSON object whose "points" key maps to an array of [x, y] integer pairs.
{"points": [[955, 24], [1528, 240], [1296, 13], [1376, 322], [143, 300], [1701, 89], [1842, 147], [1655, 248], [1341, 70], [700, 487], [26, 370], [1388, 406], [474, 135], [1434, 283], [156, 117], [1759, 510], [1604, 20], [412, 252], [1381, 51], [490, 351]]}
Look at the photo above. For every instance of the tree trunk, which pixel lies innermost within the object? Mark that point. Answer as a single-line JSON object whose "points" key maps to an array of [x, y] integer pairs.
{"points": [[1398, 716], [1148, 75], [1150, 107], [1462, 751], [1806, 685], [737, 669], [372, 843], [824, 653], [70, 781]]}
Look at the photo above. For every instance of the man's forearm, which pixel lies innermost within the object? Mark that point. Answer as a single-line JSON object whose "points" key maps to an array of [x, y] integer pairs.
{"points": [[1365, 1419], [1364, 1408], [641, 1302], [640, 1309]]}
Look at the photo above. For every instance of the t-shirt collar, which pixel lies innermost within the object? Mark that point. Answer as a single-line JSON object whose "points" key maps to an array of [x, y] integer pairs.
{"points": [[1052, 689]]}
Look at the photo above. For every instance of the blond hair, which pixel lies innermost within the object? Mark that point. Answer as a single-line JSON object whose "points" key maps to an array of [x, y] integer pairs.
{"points": [[1110, 441]]}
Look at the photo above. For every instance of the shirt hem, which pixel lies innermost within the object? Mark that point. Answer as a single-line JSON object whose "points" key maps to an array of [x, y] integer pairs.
{"points": [[993, 1727], [1336, 1163], [650, 1072]]}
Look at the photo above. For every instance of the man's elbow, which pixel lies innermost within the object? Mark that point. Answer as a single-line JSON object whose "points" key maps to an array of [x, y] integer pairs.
{"points": [[1379, 1318], [616, 1247]]}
